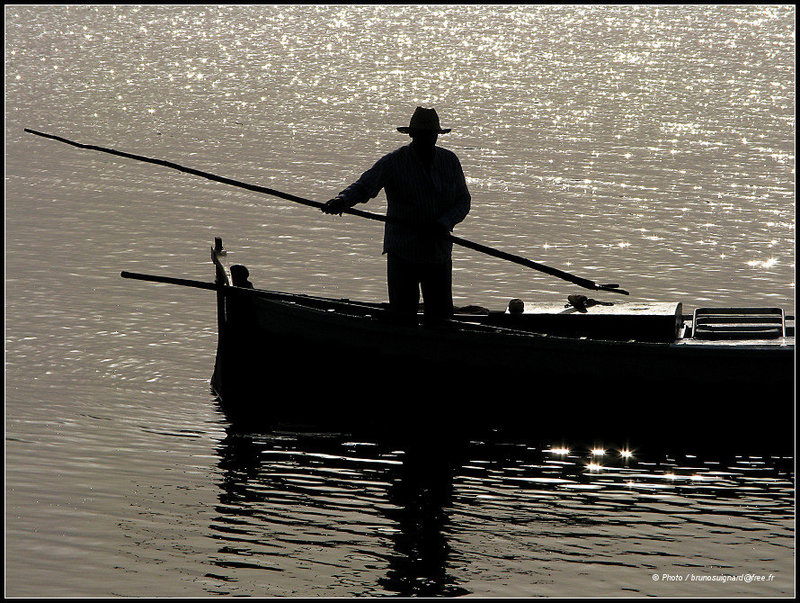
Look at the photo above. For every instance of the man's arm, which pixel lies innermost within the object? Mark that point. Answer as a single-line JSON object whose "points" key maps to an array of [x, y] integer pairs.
{"points": [[362, 190]]}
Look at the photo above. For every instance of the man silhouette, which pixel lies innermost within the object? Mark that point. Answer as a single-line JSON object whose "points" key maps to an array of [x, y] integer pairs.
{"points": [[426, 195]]}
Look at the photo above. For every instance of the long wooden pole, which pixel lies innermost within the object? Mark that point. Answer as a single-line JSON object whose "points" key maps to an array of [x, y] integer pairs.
{"points": [[171, 280], [582, 282]]}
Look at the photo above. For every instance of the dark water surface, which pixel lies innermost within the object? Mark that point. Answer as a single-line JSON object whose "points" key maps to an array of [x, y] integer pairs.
{"points": [[651, 146], [486, 518]]}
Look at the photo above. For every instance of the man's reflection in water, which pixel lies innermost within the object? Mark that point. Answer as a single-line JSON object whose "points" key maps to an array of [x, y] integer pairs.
{"points": [[421, 491]]}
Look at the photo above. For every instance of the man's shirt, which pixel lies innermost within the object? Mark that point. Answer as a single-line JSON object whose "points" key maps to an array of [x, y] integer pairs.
{"points": [[416, 195]]}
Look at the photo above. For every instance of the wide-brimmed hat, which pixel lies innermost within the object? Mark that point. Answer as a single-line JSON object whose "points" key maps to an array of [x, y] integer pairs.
{"points": [[425, 120]]}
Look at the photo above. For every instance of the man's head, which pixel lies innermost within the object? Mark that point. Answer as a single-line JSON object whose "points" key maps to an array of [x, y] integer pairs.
{"points": [[424, 121], [424, 130]]}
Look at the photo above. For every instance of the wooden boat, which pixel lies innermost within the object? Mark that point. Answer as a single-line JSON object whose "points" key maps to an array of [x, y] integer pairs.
{"points": [[627, 372]]}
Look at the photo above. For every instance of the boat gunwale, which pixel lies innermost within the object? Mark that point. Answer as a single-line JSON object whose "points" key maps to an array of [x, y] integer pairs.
{"points": [[368, 311]]}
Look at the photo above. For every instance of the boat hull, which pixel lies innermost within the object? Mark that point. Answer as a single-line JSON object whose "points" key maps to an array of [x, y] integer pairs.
{"points": [[281, 360]]}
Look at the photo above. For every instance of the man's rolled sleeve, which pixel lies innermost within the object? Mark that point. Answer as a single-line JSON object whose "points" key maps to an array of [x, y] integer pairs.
{"points": [[367, 186]]}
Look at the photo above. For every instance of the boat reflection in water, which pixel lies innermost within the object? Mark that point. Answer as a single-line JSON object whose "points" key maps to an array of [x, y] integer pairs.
{"points": [[306, 505], [333, 514]]}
